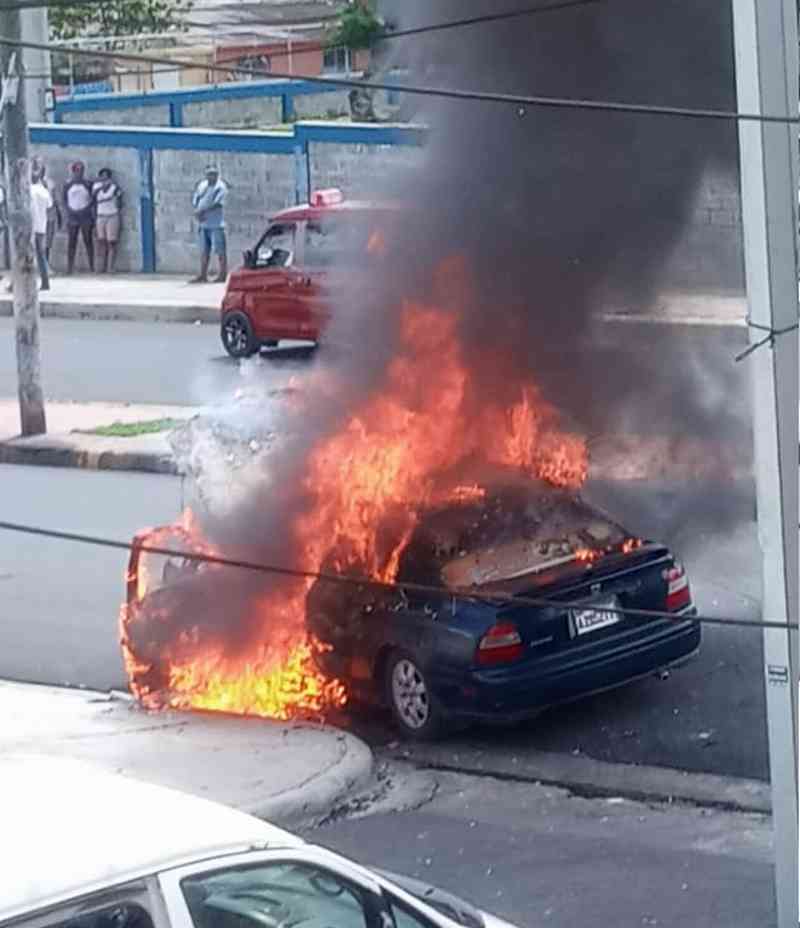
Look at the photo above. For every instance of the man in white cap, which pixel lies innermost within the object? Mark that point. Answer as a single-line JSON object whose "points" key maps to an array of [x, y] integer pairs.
{"points": [[208, 202]]}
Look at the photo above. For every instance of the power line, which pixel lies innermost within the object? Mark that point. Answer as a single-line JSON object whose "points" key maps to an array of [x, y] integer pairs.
{"points": [[418, 30], [517, 100], [443, 593]]}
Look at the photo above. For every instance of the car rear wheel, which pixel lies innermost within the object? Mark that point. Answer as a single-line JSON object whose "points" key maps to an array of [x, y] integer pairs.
{"points": [[414, 707], [237, 336]]}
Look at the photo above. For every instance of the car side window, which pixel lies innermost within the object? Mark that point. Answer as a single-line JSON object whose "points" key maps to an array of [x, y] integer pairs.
{"points": [[117, 916], [403, 917], [279, 893], [276, 248]]}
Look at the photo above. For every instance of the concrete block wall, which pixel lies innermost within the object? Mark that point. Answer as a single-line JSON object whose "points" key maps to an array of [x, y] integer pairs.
{"points": [[221, 114], [266, 172], [259, 185], [127, 116], [124, 162], [321, 105], [711, 252], [360, 170]]}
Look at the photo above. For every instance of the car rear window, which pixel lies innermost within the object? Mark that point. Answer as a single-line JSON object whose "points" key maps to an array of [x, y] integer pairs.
{"points": [[507, 534]]}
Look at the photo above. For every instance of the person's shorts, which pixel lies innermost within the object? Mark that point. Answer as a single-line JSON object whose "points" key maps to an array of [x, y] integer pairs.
{"points": [[107, 228], [213, 240]]}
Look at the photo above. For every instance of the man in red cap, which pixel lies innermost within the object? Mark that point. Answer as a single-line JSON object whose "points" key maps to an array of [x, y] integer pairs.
{"points": [[79, 208]]}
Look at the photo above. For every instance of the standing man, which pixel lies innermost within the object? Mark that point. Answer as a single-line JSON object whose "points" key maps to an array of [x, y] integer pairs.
{"points": [[80, 214], [54, 217], [107, 208], [41, 204], [208, 202]]}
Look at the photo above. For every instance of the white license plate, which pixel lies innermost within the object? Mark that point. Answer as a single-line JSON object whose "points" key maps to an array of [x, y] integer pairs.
{"points": [[595, 617]]}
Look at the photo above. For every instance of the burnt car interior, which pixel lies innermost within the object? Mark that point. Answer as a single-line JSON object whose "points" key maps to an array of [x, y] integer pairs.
{"points": [[514, 531]]}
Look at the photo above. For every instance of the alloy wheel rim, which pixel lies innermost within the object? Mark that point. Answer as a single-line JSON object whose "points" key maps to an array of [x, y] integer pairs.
{"points": [[410, 694], [236, 336]]}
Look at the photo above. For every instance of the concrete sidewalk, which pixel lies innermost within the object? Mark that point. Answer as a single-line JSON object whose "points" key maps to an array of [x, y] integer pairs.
{"points": [[128, 297], [67, 443], [170, 298], [288, 773]]}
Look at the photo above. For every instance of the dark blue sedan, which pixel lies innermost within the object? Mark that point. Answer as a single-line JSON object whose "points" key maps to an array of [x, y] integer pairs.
{"points": [[438, 659]]}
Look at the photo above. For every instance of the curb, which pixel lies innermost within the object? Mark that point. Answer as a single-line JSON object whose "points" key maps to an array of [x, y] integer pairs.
{"points": [[15, 452], [307, 804], [587, 777], [318, 791], [121, 312]]}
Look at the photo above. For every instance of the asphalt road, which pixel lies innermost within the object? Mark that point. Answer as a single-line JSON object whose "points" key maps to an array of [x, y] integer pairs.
{"points": [[540, 857], [61, 600], [135, 362], [139, 362]]}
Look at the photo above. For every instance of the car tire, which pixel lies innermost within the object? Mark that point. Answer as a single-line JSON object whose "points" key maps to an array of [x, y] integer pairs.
{"points": [[415, 709], [237, 335]]}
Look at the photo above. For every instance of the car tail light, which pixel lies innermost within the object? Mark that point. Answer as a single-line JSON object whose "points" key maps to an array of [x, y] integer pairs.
{"points": [[500, 645], [678, 592]]}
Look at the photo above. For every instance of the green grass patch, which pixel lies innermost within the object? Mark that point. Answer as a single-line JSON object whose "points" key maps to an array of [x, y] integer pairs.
{"points": [[132, 429]]}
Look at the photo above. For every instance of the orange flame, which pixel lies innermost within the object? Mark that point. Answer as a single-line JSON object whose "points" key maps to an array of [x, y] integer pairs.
{"points": [[369, 482]]}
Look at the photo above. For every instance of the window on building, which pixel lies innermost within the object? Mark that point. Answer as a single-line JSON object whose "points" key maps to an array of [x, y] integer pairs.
{"points": [[337, 60]]}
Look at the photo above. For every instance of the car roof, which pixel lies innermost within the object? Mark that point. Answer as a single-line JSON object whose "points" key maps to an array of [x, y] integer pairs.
{"points": [[70, 828], [305, 211]]}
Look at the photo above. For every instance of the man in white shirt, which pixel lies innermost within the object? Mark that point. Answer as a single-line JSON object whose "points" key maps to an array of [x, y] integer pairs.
{"points": [[41, 203]]}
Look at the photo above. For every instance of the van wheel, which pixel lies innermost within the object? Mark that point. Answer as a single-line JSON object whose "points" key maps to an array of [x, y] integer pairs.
{"points": [[415, 709], [237, 336]]}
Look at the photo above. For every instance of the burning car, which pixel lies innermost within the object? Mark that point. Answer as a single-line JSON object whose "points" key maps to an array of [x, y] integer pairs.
{"points": [[435, 658], [457, 638], [400, 549]]}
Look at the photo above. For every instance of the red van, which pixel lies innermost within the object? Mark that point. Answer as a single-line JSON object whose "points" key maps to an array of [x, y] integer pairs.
{"points": [[283, 289]]}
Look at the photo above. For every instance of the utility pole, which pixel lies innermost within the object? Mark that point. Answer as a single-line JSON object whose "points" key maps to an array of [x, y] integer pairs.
{"points": [[35, 28], [24, 276], [765, 34]]}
